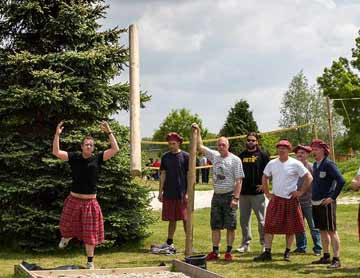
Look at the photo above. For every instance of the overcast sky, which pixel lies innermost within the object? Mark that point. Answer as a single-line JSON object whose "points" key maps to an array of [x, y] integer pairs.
{"points": [[205, 55]]}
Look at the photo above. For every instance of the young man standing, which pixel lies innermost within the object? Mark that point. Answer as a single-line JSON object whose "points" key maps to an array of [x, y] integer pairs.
{"points": [[327, 185], [252, 197], [283, 214], [173, 186], [302, 154], [227, 179], [81, 216]]}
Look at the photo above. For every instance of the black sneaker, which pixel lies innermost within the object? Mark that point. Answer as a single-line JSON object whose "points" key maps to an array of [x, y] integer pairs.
{"points": [[263, 257], [334, 264], [322, 260], [287, 256], [317, 252]]}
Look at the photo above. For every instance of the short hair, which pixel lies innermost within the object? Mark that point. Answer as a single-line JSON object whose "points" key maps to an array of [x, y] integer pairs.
{"points": [[87, 137], [253, 133]]}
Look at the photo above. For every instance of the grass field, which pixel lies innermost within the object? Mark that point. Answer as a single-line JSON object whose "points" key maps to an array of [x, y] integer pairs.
{"points": [[134, 255]]}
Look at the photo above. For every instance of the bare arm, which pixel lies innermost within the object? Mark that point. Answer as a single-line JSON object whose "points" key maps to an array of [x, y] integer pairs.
{"points": [[236, 194], [305, 186], [265, 186], [56, 144], [355, 183], [109, 153], [161, 185], [200, 145]]}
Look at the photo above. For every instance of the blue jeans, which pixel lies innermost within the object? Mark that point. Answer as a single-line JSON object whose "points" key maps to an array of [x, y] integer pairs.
{"points": [[301, 240]]}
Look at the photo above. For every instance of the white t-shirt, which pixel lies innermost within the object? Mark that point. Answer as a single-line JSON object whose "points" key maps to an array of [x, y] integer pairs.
{"points": [[284, 176], [226, 170]]}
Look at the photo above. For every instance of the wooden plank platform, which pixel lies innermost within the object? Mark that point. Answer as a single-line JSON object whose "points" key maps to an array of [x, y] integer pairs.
{"points": [[193, 271]]}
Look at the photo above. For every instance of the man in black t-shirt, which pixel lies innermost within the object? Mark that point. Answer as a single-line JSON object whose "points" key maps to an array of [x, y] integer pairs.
{"points": [[81, 216], [173, 185], [252, 197]]}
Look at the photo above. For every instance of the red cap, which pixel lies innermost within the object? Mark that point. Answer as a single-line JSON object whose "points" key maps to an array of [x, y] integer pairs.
{"points": [[301, 147], [284, 143], [173, 136], [320, 144]]}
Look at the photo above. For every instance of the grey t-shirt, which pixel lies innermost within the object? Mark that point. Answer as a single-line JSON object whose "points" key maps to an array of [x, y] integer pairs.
{"points": [[305, 199], [226, 170]]}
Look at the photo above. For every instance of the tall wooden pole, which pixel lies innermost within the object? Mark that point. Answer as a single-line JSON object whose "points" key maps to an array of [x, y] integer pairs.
{"points": [[191, 178], [332, 151], [135, 137]]}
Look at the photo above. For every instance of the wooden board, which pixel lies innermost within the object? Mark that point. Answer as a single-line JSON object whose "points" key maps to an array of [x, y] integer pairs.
{"points": [[193, 271]]}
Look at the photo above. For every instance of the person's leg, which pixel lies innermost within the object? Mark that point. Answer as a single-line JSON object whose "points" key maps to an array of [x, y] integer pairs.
{"points": [[301, 240], [266, 255], [216, 223], [258, 205], [335, 243], [289, 242], [245, 214], [171, 232], [315, 233], [184, 224], [215, 237]]}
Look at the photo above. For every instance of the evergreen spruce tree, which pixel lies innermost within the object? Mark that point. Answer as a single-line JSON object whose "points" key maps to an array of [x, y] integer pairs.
{"points": [[55, 64]]}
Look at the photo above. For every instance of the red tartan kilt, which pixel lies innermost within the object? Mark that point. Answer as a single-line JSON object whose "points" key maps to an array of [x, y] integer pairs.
{"points": [[284, 216], [82, 219], [174, 210]]}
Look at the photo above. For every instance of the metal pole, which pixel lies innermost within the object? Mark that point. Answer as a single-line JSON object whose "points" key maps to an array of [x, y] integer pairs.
{"points": [[135, 137]]}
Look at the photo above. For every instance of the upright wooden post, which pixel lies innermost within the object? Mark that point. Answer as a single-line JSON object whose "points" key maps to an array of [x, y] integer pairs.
{"points": [[191, 179], [332, 151], [135, 137]]}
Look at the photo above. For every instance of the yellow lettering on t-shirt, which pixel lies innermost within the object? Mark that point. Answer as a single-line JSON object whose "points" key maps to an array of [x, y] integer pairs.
{"points": [[251, 159]]}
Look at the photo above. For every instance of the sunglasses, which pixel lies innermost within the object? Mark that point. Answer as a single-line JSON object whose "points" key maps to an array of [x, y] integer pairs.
{"points": [[251, 140]]}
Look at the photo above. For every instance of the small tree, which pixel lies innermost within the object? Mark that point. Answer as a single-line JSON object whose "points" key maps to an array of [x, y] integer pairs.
{"points": [[239, 121], [304, 104]]}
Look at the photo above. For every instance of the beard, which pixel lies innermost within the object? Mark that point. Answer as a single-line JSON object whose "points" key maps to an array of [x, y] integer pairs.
{"points": [[251, 147]]}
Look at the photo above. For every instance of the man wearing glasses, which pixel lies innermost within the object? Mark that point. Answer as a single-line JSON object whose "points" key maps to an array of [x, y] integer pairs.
{"points": [[227, 179], [252, 197]]}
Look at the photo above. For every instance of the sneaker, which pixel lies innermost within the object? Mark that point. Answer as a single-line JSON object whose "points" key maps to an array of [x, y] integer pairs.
{"points": [[334, 264], [298, 251], [64, 242], [212, 256], [90, 265], [317, 252], [287, 256], [263, 257], [228, 256], [243, 248], [322, 260]]}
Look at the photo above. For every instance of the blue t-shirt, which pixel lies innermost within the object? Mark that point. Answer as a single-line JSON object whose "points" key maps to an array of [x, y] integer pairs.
{"points": [[176, 166], [327, 180]]}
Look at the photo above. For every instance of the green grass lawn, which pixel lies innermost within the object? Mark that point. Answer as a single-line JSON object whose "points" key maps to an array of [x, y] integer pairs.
{"points": [[134, 255]]}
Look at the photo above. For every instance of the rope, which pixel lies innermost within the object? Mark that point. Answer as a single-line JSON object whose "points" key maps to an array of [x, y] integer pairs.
{"points": [[232, 137]]}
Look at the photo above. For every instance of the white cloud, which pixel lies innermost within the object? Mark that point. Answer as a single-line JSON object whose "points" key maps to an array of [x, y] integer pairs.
{"points": [[205, 55]]}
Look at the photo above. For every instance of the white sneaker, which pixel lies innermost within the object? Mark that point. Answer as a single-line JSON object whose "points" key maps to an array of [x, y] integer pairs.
{"points": [[243, 248], [90, 265], [64, 242]]}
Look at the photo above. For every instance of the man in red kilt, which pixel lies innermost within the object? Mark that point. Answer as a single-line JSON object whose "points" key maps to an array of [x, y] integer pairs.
{"points": [[81, 216], [173, 186], [283, 214]]}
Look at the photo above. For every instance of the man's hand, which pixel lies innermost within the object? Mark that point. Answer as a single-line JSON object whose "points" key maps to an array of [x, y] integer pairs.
{"points": [[259, 188], [327, 201], [160, 197], [195, 126], [295, 194], [105, 127], [59, 127], [234, 203], [269, 195]]}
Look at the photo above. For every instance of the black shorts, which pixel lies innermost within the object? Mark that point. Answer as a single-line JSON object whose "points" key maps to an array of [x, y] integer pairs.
{"points": [[325, 217], [222, 215]]}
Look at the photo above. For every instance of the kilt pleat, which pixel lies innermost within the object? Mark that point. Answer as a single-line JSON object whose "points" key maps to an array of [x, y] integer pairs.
{"points": [[284, 216], [82, 219]]}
